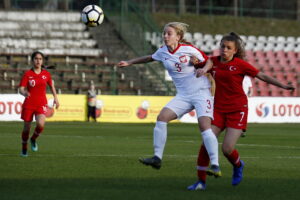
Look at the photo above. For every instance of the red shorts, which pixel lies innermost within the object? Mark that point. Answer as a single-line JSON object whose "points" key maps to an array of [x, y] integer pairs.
{"points": [[27, 113], [237, 120]]}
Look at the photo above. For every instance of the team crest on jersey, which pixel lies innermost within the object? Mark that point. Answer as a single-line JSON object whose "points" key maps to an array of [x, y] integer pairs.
{"points": [[44, 77], [32, 83], [232, 68], [183, 59]]}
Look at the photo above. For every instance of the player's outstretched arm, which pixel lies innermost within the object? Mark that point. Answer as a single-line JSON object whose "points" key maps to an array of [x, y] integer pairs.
{"points": [[143, 59], [262, 76]]}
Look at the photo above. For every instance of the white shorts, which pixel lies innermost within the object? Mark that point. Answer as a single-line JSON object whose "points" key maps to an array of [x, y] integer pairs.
{"points": [[202, 102]]}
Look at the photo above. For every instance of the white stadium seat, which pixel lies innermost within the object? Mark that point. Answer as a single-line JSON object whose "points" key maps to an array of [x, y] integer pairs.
{"points": [[197, 36], [272, 39], [291, 39], [218, 38], [269, 47], [40, 16], [188, 37], [279, 47], [262, 38], [259, 46], [251, 38], [289, 47], [244, 38], [298, 40], [249, 45], [281, 39], [199, 44]]}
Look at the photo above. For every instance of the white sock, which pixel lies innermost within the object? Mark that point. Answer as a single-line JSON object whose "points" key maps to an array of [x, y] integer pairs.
{"points": [[159, 138], [211, 144]]}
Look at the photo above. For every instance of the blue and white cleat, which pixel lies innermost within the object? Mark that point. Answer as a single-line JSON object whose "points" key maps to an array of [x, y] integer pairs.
{"points": [[199, 185], [24, 153], [238, 174], [34, 145]]}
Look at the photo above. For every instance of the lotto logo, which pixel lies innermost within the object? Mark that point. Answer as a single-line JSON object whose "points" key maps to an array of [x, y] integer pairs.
{"points": [[262, 110]]}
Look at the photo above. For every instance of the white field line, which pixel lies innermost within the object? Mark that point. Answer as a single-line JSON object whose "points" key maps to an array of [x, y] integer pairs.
{"points": [[185, 141], [135, 156]]}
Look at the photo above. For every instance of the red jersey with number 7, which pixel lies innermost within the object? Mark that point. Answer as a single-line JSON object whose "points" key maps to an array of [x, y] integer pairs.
{"points": [[229, 95], [36, 85]]}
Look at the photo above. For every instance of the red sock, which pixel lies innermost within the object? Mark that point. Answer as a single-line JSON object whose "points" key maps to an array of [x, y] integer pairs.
{"points": [[203, 162], [234, 158], [25, 136], [37, 132]]}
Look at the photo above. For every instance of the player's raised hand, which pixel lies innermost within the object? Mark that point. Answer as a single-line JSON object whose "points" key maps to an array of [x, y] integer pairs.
{"points": [[289, 86], [123, 64]]}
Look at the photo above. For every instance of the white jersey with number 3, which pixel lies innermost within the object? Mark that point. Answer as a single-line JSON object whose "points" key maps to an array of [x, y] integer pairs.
{"points": [[181, 70]]}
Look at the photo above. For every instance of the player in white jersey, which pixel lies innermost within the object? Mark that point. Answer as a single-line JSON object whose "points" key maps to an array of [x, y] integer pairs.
{"points": [[193, 92]]}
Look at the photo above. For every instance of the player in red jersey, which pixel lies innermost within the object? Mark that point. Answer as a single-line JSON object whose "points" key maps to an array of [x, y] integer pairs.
{"points": [[33, 88], [231, 103]]}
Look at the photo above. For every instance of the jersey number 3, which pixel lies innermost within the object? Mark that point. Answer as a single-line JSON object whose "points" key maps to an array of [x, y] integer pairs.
{"points": [[178, 67]]}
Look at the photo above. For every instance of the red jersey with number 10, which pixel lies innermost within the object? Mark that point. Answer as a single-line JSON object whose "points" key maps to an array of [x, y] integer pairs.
{"points": [[230, 96], [36, 85]]}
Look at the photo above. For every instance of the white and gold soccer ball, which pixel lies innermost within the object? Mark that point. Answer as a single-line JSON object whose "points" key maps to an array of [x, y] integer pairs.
{"points": [[92, 15]]}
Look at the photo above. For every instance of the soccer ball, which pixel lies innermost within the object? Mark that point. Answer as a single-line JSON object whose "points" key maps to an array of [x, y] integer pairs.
{"points": [[92, 15]]}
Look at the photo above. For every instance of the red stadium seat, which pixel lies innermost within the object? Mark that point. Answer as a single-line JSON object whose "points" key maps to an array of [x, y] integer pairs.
{"points": [[274, 90], [262, 61], [272, 60], [291, 77], [280, 54], [260, 54], [280, 77], [263, 91], [291, 55], [284, 62], [262, 88], [270, 54]]}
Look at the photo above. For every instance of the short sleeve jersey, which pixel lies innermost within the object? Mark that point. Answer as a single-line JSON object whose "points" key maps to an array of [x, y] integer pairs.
{"points": [[230, 96], [36, 85], [177, 63], [247, 84]]}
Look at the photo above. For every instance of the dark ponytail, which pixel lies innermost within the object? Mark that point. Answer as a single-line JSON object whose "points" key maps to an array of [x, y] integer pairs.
{"points": [[239, 44]]}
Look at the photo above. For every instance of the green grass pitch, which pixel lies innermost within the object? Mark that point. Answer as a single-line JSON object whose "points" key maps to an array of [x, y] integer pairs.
{"points": [[80, 160]]}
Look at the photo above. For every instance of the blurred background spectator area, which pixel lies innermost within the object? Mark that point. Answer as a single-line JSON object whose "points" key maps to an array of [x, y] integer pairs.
{"points": [[270, 30]]}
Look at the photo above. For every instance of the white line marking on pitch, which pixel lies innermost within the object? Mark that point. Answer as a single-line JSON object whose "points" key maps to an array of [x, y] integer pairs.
{"points": [[185, 141], [137, 156]]}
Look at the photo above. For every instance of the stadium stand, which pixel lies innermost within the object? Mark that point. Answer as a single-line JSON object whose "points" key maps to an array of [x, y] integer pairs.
{"points": [[69, 46]]}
